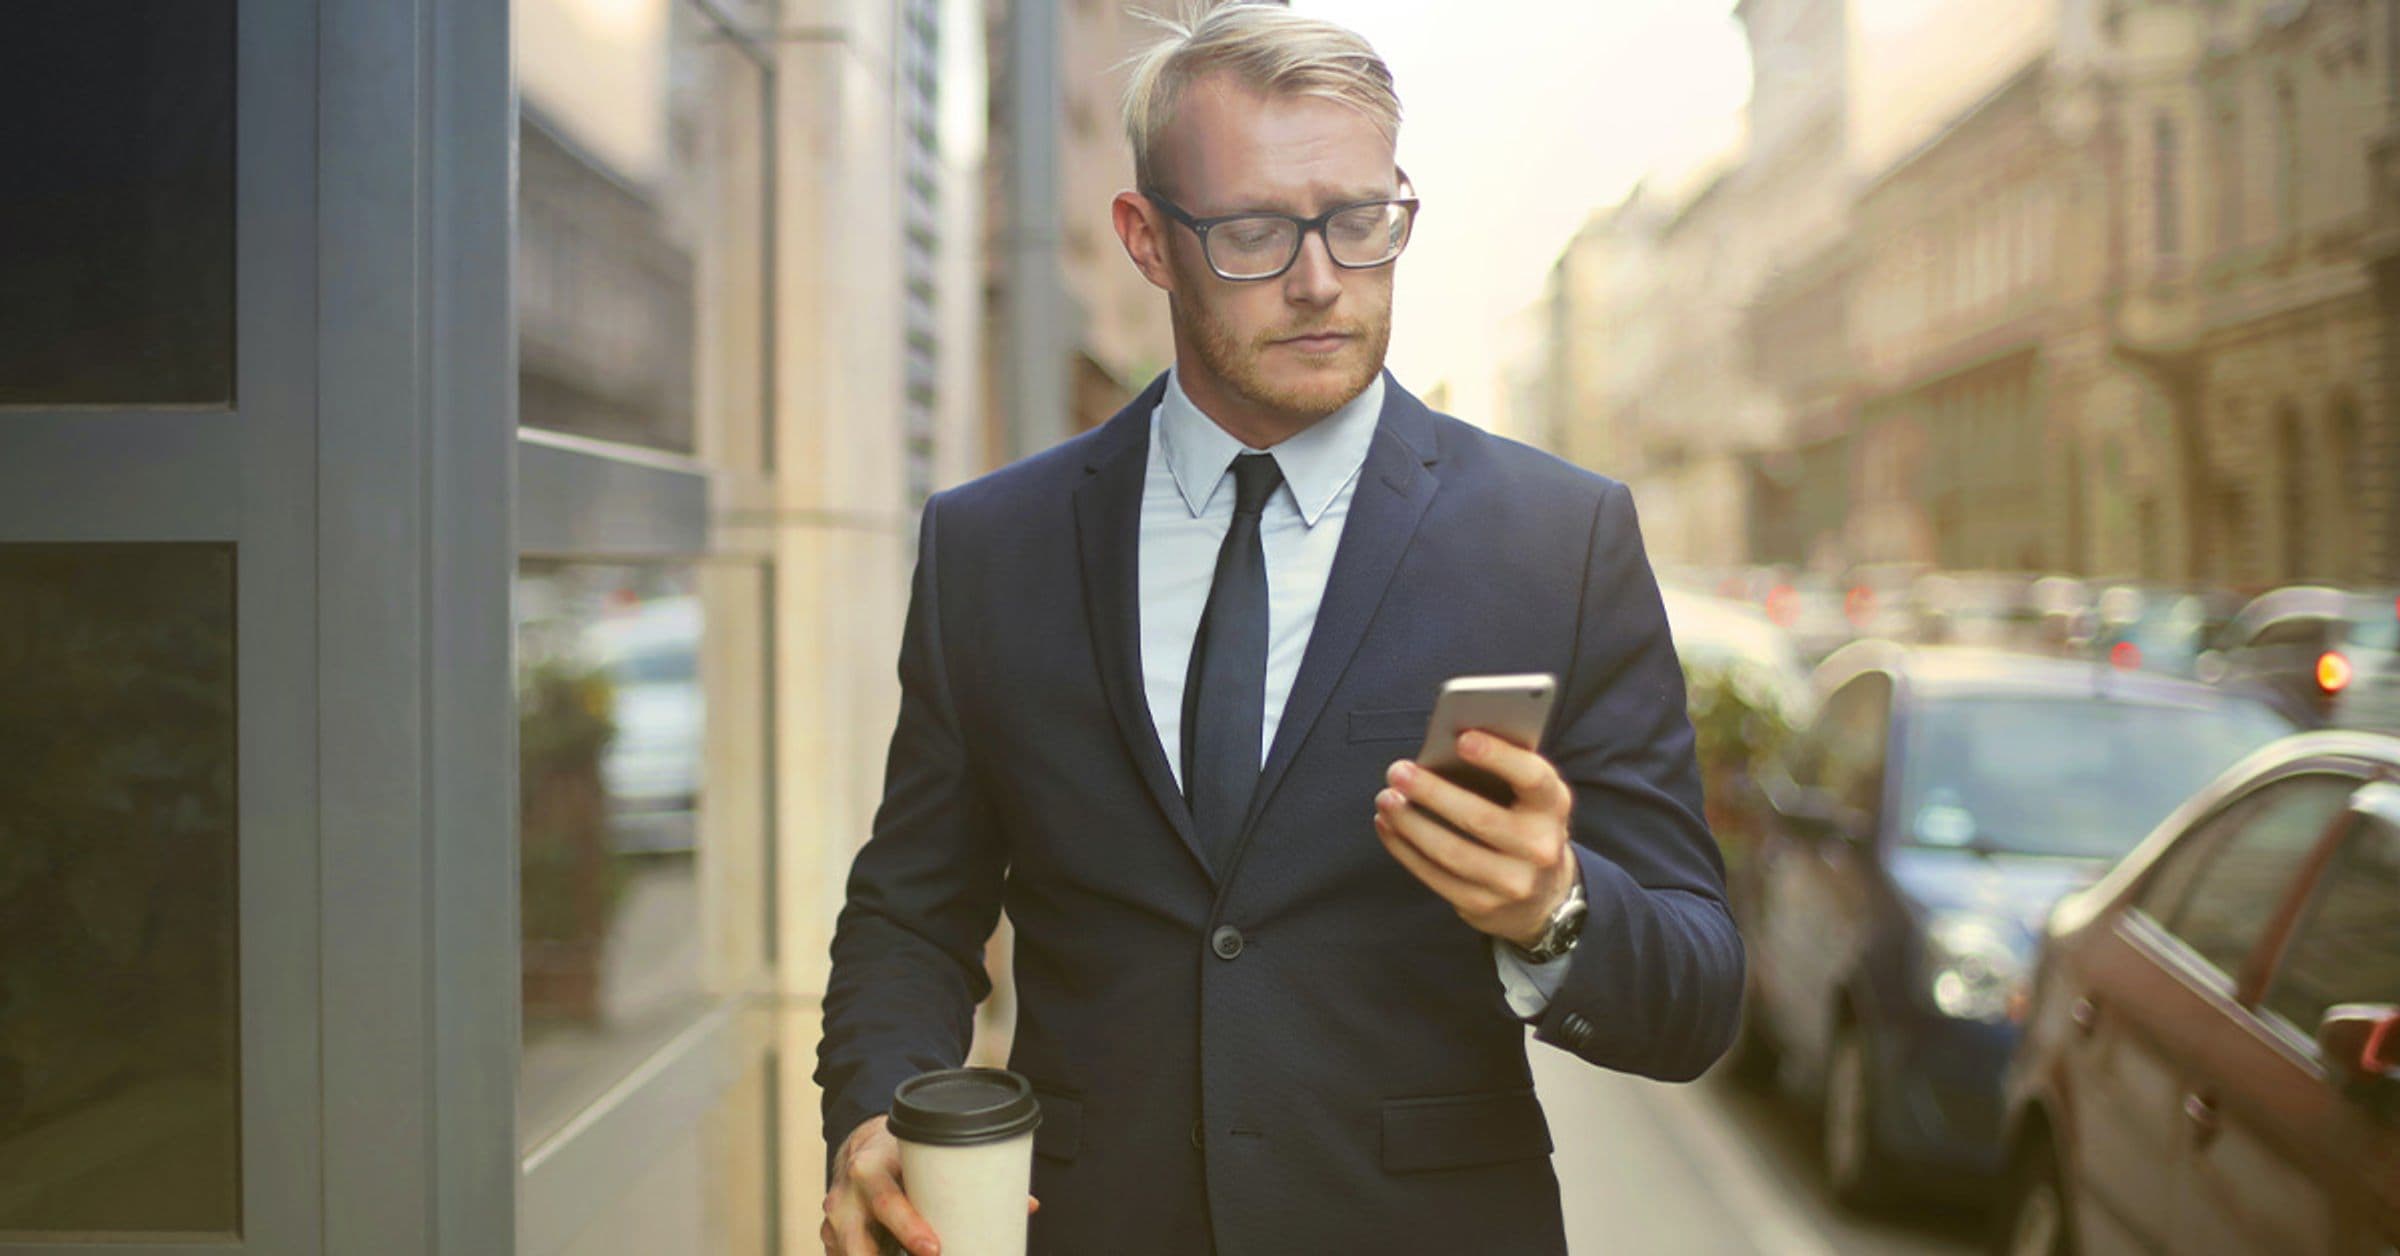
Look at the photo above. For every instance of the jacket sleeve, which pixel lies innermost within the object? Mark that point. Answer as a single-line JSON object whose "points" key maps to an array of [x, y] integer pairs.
{"points": [[1654, 984], [923, 895]]}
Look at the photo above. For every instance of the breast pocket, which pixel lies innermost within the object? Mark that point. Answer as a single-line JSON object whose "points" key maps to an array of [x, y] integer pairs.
{"points": [[1391, 724], [1458, 1131]]}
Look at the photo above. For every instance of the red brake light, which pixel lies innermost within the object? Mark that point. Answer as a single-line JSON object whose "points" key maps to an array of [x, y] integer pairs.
{"points": [[1783, 605], [2383, 1047], [1858, 604], [2333, 671], [2125, 655]]}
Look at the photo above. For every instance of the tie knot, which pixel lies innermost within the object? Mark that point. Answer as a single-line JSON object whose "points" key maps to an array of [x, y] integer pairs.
{"points": [[1254, 477]]}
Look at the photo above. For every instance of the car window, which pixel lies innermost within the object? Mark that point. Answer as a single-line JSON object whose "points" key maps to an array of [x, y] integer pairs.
{"points": [[2375, 629], [2347, 946], [2291, 632], [2079, 775], [1846, 753], [2219, 896]]}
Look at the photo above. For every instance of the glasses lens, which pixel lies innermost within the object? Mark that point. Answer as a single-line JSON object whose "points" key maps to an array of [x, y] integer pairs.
{"points": [[1243, 247], [1368, 235]]}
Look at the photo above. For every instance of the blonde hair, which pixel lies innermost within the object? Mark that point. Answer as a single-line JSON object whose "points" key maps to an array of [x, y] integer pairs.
{"points": [[1267, 48]]}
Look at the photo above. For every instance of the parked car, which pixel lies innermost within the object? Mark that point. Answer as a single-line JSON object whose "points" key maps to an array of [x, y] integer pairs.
{"points": [[1812, 608], [2000, 609], [1714, 634], [1875, 599], [2211, 1063], [2159, 627], [2322, 656], [652, 769], [1939, 802]]}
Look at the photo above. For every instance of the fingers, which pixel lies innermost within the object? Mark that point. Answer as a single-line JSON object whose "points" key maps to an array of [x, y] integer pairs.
{"points": [[1472, 865], [844, 1232], [891, 1207], [1534, 778], [1480, 817], [867, 1191], [1439, 879]]}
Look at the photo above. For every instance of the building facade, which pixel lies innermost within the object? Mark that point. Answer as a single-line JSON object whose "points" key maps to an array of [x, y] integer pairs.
{"points": [[1074, 329], [467, 474], [2120, 315], [2240, 148]]}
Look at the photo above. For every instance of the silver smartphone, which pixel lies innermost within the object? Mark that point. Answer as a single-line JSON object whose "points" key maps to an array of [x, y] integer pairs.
{"points": [[1513, 708]]}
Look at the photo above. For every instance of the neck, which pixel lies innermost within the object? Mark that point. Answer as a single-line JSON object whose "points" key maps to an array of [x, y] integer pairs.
{"points": [[1256, 426]]}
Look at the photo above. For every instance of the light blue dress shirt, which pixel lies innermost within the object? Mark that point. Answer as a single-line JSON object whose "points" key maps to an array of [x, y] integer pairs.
{"points": [[1187, 504]]}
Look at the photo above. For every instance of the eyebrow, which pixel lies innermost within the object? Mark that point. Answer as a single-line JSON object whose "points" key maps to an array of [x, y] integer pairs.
{"points": [[1277, 205]]}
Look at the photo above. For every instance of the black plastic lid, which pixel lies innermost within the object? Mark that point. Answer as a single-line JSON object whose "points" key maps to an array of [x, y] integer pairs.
{"points": [[959, 1107]]}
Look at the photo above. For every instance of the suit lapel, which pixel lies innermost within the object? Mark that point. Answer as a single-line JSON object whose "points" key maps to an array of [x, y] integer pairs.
{"points": [[1108, 520], [1394, 489]]}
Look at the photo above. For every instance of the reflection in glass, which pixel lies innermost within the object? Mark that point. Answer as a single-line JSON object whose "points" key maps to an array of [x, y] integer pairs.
{"points": [[119, 1006], [610, 743], [116, 231], [642, 251]]}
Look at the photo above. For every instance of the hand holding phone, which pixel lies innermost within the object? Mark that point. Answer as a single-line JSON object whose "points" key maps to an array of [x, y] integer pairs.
{"points": [[1513, 708]]}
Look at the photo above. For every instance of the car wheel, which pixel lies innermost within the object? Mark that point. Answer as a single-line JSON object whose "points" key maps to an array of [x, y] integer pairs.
{"points": [[1853, 1162], [2033, 1215]]}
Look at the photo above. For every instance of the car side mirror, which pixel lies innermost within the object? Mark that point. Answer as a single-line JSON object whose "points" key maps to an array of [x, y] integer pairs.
{"points": [[2361, 1046]]}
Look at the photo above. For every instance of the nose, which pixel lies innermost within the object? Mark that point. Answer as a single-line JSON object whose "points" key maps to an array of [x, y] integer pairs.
{"points": [[1314, 279]]}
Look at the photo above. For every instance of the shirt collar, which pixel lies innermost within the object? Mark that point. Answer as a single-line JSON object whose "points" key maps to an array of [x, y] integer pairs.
{"points": [[1316, 462]]}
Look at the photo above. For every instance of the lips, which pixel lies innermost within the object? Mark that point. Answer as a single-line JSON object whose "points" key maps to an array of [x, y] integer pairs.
{"points": [[1317, 342]]}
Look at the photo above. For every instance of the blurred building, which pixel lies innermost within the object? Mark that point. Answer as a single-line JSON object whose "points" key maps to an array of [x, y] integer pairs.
{"points": [[1074, 329], [1648, 376], [2123, 309], [2239, 142], [1954, 306], [1598, 294]]}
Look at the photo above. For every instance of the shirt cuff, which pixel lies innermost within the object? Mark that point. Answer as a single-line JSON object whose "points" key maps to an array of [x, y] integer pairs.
{"points": [[1529, 987]]}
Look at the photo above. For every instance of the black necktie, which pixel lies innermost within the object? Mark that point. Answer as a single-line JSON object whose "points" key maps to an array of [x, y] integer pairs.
{"points": [[1225, 689]]}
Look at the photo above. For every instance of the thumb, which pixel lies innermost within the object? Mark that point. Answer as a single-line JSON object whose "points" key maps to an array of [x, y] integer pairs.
{"points": [[1032, 1205]]}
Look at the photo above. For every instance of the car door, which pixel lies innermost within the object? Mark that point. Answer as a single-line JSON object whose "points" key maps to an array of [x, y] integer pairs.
{"points": [[2161, 980], [1812, 909], [2281, 1159]]}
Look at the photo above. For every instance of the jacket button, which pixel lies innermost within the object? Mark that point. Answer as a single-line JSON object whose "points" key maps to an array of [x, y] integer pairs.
{"points": [[1196, 1139], [1226, 942]]}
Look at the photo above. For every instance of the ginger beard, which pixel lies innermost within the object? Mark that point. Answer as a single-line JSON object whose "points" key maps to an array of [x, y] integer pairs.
{"points": [[1307, 386]]}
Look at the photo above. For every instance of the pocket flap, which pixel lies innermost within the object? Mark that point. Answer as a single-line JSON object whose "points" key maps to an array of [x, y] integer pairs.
{"points": [[1061, 1130], [1394, 724], [1454, 1131]]}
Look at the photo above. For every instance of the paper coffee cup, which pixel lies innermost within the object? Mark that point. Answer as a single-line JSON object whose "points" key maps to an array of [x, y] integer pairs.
{"points": [[966, 1156]]}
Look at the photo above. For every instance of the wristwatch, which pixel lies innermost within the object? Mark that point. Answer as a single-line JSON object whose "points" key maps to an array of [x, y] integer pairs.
{"points": [[1559, 933]]}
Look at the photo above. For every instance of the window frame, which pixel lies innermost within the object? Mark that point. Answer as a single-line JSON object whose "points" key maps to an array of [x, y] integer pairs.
{"points": [[2198, 845]]}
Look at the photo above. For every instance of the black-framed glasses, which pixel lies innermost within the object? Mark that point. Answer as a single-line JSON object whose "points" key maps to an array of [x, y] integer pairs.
{"points": [[1262, 245]]}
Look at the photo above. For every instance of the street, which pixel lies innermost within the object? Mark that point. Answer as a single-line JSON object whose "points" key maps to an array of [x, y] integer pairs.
{"points": [[1708, 1168]]}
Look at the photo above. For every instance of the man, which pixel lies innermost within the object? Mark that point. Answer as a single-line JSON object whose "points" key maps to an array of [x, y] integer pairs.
{"points": [[1154, 681]]}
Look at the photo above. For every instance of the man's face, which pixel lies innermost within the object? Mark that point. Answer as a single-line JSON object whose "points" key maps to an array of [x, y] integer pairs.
{"points": [[1289, 350]]}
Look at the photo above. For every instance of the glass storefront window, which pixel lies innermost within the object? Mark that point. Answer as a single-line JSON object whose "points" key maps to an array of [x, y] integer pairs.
{"points": [[642, 255], [116, 232], [120, 1044], [612, 765]]}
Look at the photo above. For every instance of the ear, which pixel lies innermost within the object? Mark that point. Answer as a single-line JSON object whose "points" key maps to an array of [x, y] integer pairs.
{"points": [[1143, 230]]}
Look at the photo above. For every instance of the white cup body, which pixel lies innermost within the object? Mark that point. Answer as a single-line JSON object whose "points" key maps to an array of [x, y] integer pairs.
{"points": [[974, 1196]]}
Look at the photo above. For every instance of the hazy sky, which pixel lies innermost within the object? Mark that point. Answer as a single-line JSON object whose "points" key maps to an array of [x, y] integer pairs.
{"points": [[1523, 116]]}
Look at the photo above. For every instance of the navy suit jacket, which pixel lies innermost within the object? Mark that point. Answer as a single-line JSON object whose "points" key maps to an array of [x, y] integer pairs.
{"points": [[1312, 1053]]}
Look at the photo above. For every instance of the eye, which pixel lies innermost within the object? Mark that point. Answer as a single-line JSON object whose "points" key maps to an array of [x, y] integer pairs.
{"points": [[1252, 233]]}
